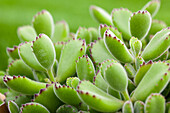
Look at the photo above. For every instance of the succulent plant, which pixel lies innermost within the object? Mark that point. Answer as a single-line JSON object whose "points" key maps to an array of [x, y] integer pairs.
{"points": [[122, 66]]}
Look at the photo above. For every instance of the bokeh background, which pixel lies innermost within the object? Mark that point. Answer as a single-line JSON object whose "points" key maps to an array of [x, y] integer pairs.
{"points": [[15, 13]]}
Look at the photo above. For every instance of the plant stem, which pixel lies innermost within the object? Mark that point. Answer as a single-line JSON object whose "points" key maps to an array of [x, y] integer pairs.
{"points": [[125, 94], [50, 74]]}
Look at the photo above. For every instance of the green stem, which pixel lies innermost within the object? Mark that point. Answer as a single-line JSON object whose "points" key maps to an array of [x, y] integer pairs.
{"points": [[50, 74], [125, 95]]}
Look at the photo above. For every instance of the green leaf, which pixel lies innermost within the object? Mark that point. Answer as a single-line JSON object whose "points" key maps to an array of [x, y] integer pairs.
{"points": [[47, 98], [66, 94], [18, 67], [33, 107], [94, 33], [67, 109], [44, 51], [157, 46], [139, 107], [43, 23], [99, 52], [85, 68], [61, 31], [140, 23], [120, 19], [152, 7], [100, 15], [155, 103], [27, 55], [67, 63], [157, 78], [26, 33], [13, 52], [117, 48], [23, 84], [13, 107], [83, 33], [95, 98], [128, 107]]}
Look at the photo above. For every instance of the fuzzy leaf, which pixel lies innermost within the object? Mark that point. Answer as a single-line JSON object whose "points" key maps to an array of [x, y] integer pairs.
{"points": [[99, 52], [117, 48], [18, 67], [43, 23], [157, 78], [139, 107], [67, 109], [157, 46], [120, 19], [13, 107], [100, 15], [94, 33], [33, 107], [67, 63], [66, 94], [13, 52], [26, 33], [83, 33], [152, 7], [140, 23], [61, 31], [85, 68], [47, 98], [103, 28], [128, 107], [27, 55], [155, 103], [23, 84], [44, 51], [95, 98]]}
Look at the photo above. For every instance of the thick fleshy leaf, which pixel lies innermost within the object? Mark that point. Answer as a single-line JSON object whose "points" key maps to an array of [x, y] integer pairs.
{"points": [[44, 51], [43, 23], [117, 48], [66, 94], [13, 107], [157, 78], [128, 107], [139, 107], [155, 103], [47, 98], [26, 33], [103, 28], [85, 68], [140, 23], [27, 55], [115, 72], [58, 48], [23, 84], [61, 31], [94, 33], [83, 33], [18, 67], [157, 46], [67, 109], [152, 7], [100, 15], [120, 19], [33, 107], [130, 70], [67, 63], [95, 98], [13, 52], [142, 71], [99, 52], [156, 26]]}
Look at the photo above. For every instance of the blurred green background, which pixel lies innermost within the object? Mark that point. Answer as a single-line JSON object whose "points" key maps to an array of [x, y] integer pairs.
{"points": [[15, 13]]}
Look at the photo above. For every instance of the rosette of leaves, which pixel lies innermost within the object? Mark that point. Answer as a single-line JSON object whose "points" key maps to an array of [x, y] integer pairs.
{"points": [[124, 67]]}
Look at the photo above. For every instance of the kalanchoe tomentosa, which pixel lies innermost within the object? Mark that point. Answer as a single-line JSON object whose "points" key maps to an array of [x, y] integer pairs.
{"points": [[123, 66]]}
